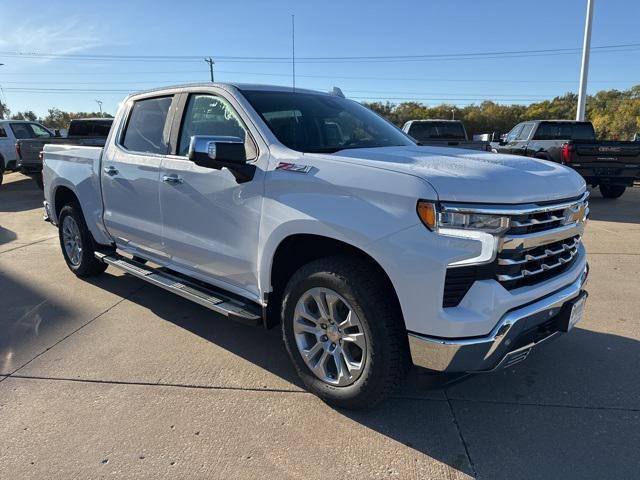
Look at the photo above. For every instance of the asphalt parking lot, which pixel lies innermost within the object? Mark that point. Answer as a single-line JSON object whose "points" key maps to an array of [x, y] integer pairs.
{"points": [[114, 378]]}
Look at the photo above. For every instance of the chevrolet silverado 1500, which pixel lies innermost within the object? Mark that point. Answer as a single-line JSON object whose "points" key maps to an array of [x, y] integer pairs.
{"points": [[305, 209]]}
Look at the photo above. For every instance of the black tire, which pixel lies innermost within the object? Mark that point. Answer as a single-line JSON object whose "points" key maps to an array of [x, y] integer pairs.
{"points": [[612, 191], [1, 174], [387, 359], [87, 265]]}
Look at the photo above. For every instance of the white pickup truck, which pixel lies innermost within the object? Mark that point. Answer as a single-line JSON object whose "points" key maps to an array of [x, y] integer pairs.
{"points": [[305, 209]]}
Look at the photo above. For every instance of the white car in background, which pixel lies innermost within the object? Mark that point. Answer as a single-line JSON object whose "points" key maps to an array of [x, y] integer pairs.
{"points": [[10, 132]]}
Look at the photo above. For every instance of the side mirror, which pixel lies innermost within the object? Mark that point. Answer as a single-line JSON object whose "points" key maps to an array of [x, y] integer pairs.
{"points": [[220, 152], [217, 152]]}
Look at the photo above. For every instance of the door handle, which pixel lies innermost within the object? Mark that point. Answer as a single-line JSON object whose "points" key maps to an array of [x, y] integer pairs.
{"points": [[172, 179], [111, 171]]}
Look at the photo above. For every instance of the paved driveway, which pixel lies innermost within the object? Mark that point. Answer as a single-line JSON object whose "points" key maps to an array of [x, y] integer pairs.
{"points": [[114, 378]]}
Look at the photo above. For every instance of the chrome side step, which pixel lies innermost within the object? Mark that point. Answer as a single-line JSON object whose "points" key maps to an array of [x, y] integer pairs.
{"points": [[208, 297]]}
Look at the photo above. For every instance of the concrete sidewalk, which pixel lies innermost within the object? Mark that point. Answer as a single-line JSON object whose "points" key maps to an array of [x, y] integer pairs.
{"points": [[114, 378]]}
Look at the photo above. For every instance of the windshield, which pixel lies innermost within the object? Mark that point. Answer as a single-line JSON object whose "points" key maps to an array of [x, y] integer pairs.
{"points": [[424, 131], [316, 123]]}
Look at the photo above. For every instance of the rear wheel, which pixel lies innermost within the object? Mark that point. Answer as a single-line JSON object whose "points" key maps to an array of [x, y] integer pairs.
{"points": [[612, 191], [345, 337], [77, 244]]}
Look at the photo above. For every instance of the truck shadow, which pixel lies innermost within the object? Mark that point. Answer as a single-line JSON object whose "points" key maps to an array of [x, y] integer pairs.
{"points": [[585, 369], [19, 193], [624, 209], [7, 235]]}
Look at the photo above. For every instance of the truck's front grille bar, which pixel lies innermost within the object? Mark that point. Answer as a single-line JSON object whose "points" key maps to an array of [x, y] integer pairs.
{"points": [[541, 242]]}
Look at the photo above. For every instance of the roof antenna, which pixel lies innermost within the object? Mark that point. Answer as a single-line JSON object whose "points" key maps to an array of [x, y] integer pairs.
{"points": [[293, 50], [337, 92]]}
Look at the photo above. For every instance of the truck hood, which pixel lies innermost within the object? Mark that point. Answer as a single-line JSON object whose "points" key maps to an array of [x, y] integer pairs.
{"points": [[468, 176]]}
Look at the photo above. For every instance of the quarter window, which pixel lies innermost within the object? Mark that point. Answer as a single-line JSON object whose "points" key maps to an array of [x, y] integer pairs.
{"points": [[3, 132], [147, 130], [211, 115]]}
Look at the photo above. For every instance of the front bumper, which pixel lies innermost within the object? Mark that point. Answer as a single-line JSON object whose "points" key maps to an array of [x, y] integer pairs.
{"points": [[517, 332]]}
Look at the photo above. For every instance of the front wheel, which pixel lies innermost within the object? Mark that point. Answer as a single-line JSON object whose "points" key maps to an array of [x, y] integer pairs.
{"points": [[344, 334], [77, 244], [612, 191]]}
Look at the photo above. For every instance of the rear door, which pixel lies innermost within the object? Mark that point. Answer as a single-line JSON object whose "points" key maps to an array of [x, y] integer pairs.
{"points": [[211, 222], [131, 173]]}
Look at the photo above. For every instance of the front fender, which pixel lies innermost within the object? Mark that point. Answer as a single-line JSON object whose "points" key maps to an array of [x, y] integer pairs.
{"points": [[356, 205]]}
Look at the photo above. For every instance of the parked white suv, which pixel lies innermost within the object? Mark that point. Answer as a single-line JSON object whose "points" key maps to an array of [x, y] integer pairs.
{"points": [[306, 209], [10, 132]]}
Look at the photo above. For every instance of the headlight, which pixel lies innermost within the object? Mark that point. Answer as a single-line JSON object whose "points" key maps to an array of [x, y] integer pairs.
{"points": [[484, 228], [434, 220]]}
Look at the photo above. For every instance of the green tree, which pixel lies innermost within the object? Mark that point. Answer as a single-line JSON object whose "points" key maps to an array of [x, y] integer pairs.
{"points": [[26, 115]]}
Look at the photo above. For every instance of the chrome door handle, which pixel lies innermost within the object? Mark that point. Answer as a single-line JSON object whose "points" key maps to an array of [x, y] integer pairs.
{"points": [[111, 171], [172, 179]]}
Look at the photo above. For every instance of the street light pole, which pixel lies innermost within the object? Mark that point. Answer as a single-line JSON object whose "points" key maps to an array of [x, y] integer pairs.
{"points": [[99, 102], [584, 71]]}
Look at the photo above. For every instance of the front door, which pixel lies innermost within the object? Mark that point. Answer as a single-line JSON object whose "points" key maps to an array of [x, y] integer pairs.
{"points": [[130, 177], [210, 221]]}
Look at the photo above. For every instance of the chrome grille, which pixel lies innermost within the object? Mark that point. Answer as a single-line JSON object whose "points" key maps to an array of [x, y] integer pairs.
{"points": [[540, 244]]}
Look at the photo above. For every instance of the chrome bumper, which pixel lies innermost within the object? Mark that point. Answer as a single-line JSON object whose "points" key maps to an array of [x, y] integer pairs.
{"points": [[509, 342]]}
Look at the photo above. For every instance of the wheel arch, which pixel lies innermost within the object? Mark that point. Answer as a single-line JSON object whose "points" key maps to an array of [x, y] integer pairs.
{"points": [[298, 249]]}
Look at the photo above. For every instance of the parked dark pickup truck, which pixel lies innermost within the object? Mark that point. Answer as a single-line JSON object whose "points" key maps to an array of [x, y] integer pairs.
{"points": [[611, 165], [442, 133], [90, 132]]}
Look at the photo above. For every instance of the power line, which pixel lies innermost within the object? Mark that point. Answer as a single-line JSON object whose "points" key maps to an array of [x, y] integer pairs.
{"points": [[331, 77], [342, 59]]}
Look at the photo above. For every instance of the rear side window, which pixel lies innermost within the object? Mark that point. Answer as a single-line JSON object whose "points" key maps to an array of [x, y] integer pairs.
{"points": [[3, 132], [565, 131], [147, 129], [423, 131], [22, 130]]}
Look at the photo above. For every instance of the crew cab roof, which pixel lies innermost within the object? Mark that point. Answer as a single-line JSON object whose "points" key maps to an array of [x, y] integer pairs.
{"points": [[226, 85]]}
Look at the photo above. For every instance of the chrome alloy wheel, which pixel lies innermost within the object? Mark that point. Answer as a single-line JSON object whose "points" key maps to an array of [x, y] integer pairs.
{"points": [[329, 336], [71, 240]]}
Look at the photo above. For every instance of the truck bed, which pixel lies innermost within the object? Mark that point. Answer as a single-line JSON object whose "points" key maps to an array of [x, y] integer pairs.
{"points": [[29, 160]]}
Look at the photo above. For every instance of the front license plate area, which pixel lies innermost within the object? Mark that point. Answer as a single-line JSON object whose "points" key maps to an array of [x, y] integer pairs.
{"points": [[576, 312]]}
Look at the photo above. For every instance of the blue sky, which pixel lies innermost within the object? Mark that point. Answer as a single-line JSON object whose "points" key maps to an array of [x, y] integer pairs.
{"points": [[323, 29]]}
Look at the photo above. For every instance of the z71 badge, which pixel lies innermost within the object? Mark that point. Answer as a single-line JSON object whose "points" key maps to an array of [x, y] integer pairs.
{"points": [[293, 167]]}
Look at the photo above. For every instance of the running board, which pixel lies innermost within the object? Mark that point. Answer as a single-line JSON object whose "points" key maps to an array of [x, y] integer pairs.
{"points": [[213, 299]]}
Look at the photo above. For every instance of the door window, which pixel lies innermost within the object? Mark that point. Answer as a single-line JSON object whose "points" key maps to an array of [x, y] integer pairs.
{"points": [[526, 131], [147, 129], [513, 134], [211, 115], [39, 130]]}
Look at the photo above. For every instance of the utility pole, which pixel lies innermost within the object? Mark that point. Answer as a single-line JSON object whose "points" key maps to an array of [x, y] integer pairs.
{"points": [[99, 102], [293, 50], [211, 64], [584, 71], [453, 113]]}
